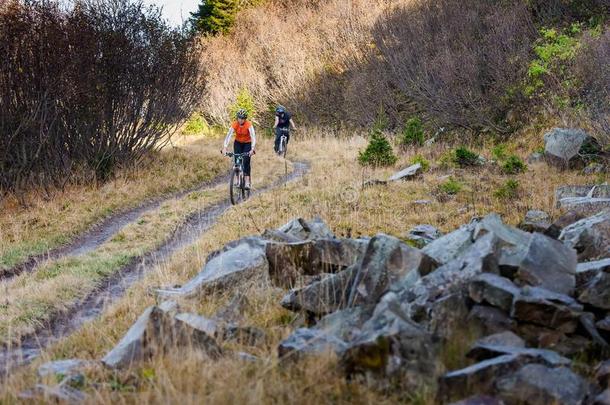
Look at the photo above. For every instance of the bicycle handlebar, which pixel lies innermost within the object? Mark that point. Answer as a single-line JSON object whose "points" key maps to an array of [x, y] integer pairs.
{"points": [[231, 154]]}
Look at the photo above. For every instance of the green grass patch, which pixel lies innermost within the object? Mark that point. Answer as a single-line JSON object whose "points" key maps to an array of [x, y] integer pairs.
{"points": [[451, 186]]}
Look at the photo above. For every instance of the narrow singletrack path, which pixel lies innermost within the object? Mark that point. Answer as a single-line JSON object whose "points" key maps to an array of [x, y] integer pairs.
{"points": [[102, 231], [63, 324]]}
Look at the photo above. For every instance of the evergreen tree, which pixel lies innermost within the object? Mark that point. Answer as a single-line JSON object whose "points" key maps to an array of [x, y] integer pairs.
{"points": [[214, 16]]}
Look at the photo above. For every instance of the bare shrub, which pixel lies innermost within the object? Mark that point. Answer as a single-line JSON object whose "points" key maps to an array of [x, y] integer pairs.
{"points": [[458, 59], [85, 89]]}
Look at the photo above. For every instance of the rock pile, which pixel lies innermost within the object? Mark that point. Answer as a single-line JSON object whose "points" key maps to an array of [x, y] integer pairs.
{"points": [[538, 296]]}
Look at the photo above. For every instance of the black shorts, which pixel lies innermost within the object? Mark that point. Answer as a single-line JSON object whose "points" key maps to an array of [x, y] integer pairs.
{"points": [[243, 147]]}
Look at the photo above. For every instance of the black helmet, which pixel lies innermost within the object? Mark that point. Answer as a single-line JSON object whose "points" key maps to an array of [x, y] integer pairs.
{"points": [[280, 110], [242, 114]]}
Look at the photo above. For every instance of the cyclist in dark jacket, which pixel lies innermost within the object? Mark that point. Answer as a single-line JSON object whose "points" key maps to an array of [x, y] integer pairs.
{"points": [[283, 122]]}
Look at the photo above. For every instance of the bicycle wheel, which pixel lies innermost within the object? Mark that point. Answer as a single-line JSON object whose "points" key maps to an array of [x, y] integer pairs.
{"points": [[235, 189], [283, 146], [245, 192]]}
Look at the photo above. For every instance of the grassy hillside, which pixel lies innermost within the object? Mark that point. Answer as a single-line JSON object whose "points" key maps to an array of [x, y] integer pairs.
{"points": [[491, 67]]}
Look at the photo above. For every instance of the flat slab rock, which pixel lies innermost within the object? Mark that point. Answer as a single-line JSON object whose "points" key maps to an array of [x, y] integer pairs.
{"points": [[64, 367], [407, 173], [481, 378], [586, 200]]}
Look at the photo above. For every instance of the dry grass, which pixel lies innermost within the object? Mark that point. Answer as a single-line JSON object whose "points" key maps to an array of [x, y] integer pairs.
{"points": [[31, 298], [331, 190], [49, 221], [307, 57]]}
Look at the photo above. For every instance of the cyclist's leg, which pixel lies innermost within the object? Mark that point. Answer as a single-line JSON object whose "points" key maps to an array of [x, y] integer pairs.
{"points": [[247, 147], [278, 136]]}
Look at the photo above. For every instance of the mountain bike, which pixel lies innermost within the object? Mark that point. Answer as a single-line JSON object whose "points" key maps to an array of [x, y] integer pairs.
{"points": [[237, 184], [283, 146]]}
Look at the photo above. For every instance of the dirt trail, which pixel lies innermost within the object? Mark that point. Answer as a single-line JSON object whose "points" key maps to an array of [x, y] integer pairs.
{"points": [[101, 232], [65, 323]]}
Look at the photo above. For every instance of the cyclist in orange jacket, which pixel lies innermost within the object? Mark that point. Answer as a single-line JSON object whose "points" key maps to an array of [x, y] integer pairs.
{"points": [[245, 141]]}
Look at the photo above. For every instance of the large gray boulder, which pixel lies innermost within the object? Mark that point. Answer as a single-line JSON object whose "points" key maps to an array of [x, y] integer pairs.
{"points": [[549, 264], [453, 277], [567, 147], [387, 260], [289, 262], [546, 308], [161, 328], [585, 200], [239, 263], [493, 290], [537, 384], [590, 237], [390, 345]]}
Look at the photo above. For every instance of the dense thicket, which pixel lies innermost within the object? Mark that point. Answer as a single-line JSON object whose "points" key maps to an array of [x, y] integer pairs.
{"points": [[87, 88], [457, 59]]}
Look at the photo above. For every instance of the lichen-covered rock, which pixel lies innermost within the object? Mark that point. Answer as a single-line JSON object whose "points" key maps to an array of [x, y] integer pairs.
{"points": [[389, 345], [537, 384], [535, 221]]}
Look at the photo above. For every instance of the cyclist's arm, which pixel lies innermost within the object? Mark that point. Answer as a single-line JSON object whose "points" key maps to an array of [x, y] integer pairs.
{"points": [[253, 137], [277, 121], [228, 137], [292, 124]]}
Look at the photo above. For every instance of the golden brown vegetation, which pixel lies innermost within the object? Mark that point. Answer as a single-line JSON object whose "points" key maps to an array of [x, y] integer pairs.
{"points": [[332, 190]]}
